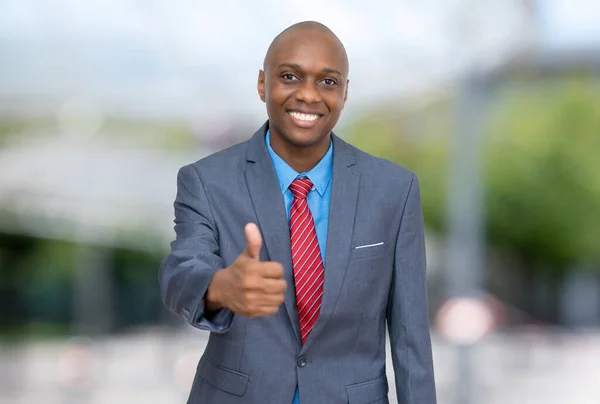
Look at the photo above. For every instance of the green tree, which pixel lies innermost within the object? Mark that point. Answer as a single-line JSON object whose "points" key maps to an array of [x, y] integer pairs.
{"points": [[542, 171]]}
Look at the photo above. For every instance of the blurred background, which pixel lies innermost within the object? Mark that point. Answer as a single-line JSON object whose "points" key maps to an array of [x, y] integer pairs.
{"points": [[494, 104]]}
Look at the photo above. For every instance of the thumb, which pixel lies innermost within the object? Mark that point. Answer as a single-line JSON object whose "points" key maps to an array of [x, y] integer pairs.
{"points": [[254, 241]]}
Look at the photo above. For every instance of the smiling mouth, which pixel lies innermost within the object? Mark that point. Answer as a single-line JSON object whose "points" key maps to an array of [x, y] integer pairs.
{"points": [[304, 117]]}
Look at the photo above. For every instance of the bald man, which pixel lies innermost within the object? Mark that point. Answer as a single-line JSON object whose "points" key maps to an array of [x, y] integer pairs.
{"points": [[294, 249]]}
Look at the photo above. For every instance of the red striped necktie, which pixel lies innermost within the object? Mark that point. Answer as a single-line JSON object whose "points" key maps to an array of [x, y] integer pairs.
{"points": [[306, 258]]}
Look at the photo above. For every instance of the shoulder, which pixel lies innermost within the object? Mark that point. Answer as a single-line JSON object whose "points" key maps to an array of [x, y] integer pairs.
{"points": [[220, 163], [385, 186]]}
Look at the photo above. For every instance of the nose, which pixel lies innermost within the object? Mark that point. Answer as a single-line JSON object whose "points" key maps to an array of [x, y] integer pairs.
{"points": [[308, 93]]}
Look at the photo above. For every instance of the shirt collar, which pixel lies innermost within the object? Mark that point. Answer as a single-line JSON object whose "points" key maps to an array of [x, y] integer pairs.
{"points": [[320, 175]]}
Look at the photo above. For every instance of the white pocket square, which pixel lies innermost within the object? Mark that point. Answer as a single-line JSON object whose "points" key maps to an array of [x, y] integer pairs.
{"points": [[368, 245]]}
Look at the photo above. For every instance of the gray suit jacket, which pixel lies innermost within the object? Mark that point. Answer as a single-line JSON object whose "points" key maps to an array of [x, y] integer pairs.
{"points": [[375, 271]]}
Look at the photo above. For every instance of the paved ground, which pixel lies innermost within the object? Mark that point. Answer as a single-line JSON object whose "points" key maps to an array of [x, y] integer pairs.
{"points": [[156, 366]]}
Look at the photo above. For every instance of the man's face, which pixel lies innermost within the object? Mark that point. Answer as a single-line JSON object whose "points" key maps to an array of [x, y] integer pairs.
{"points": [[304, 86]]}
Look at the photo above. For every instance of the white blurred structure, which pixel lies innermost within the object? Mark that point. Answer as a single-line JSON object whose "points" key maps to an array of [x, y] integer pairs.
{"points": [[98, 191]]}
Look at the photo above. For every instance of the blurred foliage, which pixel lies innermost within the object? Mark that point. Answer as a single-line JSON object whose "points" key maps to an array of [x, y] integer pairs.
{"points": [[164, 135], [137, 293], [12, 128], [37, 287], [14, 251], [541, 163], [543, 174]]}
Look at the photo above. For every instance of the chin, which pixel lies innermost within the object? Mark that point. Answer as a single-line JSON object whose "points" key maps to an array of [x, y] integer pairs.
{"points": [[304, 138]]}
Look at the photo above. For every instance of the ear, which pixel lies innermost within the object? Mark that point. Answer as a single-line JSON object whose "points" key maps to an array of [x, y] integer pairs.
{"points": [[261, 85], [346, 91]]}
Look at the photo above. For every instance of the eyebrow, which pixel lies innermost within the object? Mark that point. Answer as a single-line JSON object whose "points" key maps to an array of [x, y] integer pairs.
{"points": [[296, 66]]}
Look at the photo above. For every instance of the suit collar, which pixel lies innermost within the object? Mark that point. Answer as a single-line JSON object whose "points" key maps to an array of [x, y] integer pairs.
{"points": [[271, 217], [257, 150]]}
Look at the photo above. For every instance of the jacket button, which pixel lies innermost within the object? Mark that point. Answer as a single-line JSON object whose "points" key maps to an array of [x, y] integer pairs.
{"points": [[301, 362]]}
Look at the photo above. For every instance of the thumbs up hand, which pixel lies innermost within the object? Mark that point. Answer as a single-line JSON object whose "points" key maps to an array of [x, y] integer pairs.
{"points": [[248, 287]]}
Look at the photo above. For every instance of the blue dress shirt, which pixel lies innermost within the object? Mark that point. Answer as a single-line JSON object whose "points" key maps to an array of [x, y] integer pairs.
{"points": [[318, 199]]}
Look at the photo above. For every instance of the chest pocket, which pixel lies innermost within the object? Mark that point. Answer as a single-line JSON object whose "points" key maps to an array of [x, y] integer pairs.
{"points": [[368, 250]]}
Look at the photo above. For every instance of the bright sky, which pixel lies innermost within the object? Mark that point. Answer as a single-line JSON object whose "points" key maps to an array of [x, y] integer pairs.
{"points": [[168, 55], [570, 23]]}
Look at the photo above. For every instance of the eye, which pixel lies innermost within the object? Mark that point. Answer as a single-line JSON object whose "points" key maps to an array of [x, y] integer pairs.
{"points": [[288, 76], [329, 82]]}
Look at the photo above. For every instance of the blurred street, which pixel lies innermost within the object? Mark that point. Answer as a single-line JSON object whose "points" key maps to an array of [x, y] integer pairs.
{"points": [[157, 366]]}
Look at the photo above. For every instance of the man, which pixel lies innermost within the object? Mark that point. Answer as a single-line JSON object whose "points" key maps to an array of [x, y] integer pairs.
{"points": [[294, 248]]}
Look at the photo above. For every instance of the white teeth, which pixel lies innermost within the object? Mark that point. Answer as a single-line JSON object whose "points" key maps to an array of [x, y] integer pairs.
{"points": [[303, 117]]}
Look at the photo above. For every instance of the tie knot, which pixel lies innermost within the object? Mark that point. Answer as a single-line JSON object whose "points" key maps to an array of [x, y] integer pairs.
{"points": [[300, 187]]}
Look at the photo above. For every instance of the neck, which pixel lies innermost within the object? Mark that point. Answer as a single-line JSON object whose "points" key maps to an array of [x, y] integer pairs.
{"points": [[300, 158]]}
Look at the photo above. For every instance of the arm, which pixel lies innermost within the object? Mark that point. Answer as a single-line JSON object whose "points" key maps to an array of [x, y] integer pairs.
{"points": [[407, 312], [189, 269]]}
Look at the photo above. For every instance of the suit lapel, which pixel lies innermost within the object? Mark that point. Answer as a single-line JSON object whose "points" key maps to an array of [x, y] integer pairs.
{"points": [[344, 198], [272, 218]]}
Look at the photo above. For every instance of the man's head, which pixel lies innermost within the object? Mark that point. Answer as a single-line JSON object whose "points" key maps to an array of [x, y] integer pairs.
{"points": [[304, 83]]}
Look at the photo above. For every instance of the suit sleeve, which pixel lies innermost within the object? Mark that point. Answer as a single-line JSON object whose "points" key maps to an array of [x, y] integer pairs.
{"points": [[194, 259], [407, 311]]}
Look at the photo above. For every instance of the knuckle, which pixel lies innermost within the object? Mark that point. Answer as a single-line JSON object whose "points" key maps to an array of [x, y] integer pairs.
{"points": [[244, 303], [247, 283], [261, 268]]}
